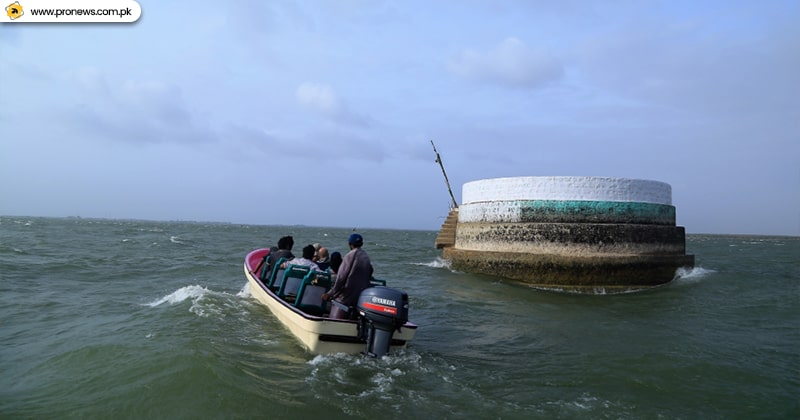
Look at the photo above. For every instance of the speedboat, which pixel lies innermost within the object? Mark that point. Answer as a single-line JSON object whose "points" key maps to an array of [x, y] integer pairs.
{"points": [[294, 295]]}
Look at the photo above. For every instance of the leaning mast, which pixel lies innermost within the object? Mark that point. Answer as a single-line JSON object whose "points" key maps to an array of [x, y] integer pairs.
{"points": [[450, 190]]}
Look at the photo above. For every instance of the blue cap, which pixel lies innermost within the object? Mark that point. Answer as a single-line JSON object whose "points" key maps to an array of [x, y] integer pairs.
{"points": [[355, 239]]}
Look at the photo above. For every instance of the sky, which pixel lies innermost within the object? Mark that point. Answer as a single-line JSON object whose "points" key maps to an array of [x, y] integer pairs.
{"points": [[321, 112]]}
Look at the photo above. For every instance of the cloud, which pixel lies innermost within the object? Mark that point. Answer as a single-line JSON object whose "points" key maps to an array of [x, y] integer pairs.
{"points": [[684, 67], [10, 33], [158, 100], [323, 99], [319, 97], [140, 111], [511, 63]]}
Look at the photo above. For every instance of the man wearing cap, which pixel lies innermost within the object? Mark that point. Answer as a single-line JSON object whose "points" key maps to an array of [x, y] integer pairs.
{"points": [[353, 277]]}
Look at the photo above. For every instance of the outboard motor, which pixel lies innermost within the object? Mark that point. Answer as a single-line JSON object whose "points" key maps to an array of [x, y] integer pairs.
{"points": [[383, 310]]}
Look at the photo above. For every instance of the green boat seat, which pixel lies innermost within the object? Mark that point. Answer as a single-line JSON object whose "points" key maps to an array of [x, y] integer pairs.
{"points": [[276, 275], [265, 270], [292, 277], [309, 296]]}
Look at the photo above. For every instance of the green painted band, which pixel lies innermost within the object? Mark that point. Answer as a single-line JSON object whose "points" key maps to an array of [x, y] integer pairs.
{"points": [[568, 211]]}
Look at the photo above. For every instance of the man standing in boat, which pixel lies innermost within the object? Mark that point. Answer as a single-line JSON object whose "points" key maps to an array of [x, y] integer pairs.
{"points": [[353, 277]]}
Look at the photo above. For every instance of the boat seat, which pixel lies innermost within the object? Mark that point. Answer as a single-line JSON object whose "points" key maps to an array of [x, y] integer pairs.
{"points": [[292, 278], [265, 271], [276, 275], [309, 296]]}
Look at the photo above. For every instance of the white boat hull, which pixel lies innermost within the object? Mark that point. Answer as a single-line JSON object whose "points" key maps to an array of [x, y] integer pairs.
{"points": [[320, 335]]}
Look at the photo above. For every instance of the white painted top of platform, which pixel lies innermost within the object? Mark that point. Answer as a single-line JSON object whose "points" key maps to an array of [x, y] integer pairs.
{"points": [[581, 188]]}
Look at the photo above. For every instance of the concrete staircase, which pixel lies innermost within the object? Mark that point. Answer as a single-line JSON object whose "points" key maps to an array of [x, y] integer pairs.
{"points": [[447, 234]]}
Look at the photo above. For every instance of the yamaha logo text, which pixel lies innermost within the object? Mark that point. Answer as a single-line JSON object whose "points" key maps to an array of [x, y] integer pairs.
{"points": [[382, 301]]}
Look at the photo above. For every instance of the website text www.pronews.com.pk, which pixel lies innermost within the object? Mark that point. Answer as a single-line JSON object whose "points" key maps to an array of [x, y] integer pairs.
{"points": [[82, 12]]}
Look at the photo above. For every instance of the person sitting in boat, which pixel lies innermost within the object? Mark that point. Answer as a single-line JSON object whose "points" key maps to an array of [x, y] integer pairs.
{"points": [[284, 250], [336, 262], [352, 278], [323, 260], [317, 246], [305, 260]]}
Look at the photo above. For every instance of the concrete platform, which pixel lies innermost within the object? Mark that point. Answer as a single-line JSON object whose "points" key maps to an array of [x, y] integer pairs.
{"points": [[567, 233]]}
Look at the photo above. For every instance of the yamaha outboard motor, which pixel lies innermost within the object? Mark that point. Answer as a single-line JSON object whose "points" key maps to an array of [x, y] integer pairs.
{"points": [[383, 310]]}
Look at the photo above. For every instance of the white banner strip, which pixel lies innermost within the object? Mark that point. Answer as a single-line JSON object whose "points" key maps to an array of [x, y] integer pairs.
{"points": [[71, 11]]}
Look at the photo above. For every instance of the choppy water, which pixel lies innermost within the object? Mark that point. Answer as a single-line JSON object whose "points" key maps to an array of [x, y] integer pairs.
{"points": [[132, 319]]}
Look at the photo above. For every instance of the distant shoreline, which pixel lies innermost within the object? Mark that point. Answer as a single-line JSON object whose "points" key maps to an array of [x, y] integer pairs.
{"points": [[206, 222]]}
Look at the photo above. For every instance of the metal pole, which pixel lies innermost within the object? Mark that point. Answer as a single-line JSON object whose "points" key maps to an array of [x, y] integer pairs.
{"points": [[441, 165]]}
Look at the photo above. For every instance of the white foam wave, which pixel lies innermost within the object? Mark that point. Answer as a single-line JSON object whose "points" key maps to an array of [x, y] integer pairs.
{"points": [[318, 359], [205, 302], [394, 360], [245, 292], [188, 292], [439, 262], [682, 275], [175, 240], [694, 273], [382, 372]]}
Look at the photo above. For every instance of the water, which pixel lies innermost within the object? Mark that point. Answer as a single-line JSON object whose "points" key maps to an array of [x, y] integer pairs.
{"points": [[133, 319]]}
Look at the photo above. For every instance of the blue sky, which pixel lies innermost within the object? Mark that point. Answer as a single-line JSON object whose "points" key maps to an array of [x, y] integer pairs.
{"points": [[322, 112]]}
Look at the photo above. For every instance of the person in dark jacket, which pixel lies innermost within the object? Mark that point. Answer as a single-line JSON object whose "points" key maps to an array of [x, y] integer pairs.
{"points": [[352, 278], [323, 259], [336, 262], [285, 245]]}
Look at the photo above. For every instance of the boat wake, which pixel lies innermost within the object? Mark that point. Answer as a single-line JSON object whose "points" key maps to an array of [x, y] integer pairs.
{"points": [[382, 373]]}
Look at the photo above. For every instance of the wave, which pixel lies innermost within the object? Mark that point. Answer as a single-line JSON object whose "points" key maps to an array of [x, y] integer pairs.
{"points": [[694, 273], [682, 275], [178, 296], [206, 302], [439, 262], [685, 275], [245, 292], [596, 290], [176, 240], [382, 372]]}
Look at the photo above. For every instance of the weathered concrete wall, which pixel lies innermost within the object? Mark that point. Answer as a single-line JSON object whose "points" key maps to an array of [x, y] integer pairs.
{"points": [[566, 211], [570, 232], [588, 239], [608, 273]]}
